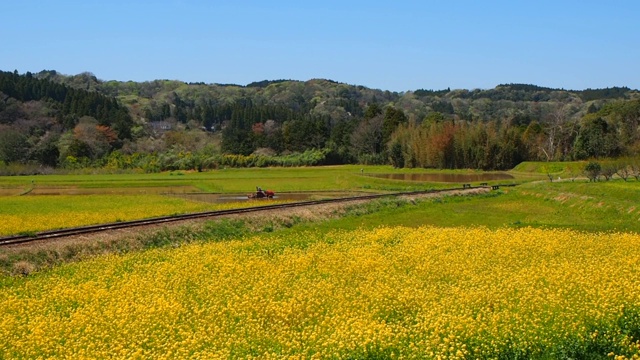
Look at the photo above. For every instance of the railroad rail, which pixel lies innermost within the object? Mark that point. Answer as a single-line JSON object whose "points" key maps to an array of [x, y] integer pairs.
{"points": [[83, 230]]}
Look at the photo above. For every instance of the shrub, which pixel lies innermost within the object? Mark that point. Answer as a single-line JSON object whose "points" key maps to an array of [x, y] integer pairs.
{"points": [[592, 170], [23, 268]]}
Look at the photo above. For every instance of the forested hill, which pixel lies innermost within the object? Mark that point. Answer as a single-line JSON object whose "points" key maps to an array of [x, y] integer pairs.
{"points": [[39, 117], [480, 128]]}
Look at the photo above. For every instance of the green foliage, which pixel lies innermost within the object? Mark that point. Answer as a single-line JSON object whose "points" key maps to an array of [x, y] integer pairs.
{"points": [[13, 146], [593, 170], [372, 111], [607, 93], [456, 145], [225, 230], [265, 83], [423, 92], [434, 117], [71, 101], [596, 139], [396, 155], [392, 118], [488, 129]]}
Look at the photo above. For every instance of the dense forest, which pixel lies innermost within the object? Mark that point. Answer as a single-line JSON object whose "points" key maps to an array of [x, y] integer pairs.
{"points": [[50, 120]]}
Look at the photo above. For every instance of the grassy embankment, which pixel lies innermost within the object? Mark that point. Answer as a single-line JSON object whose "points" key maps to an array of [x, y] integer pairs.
{"points": [[579, 205]]}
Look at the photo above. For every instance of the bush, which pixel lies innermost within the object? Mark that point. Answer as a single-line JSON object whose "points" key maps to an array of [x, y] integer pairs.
{"points": [[592, 170], [23, 268]]}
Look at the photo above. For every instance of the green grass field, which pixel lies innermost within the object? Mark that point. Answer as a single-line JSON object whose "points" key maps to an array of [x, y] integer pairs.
{"points": [[602, 206]]}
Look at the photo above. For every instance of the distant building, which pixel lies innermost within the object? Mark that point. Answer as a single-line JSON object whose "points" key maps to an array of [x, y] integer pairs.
{"points": [[161, 126], [158, 128]]}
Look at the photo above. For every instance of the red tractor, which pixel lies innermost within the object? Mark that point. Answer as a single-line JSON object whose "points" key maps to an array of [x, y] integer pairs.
{"points": [[261, 194]]}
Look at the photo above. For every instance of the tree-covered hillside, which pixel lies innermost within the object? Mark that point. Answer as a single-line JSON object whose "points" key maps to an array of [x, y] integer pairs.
{"points": [[44, 121], [71, 120]]}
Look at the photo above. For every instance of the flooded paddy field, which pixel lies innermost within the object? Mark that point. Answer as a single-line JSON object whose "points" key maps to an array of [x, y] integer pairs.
{"points": [[447, 178], [284, 196], [191, 193]]}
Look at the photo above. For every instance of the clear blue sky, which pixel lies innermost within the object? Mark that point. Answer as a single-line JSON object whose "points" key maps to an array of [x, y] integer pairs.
{"points": [[389, 45]]}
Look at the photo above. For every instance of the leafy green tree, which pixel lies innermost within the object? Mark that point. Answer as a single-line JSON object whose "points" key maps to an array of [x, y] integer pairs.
{"points": [[392, 118], [596, 138], [372, 111], [45, 151], [13, 146], [236, 140], [592, 170], [340, 140], [625, 116], [396, 156], [434, 117]]}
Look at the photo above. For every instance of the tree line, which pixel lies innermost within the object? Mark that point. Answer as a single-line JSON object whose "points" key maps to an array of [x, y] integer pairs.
{"points": [[70, 121]]}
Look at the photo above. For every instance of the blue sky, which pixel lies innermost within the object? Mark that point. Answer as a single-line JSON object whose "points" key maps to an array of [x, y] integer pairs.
{"points": [[389, 45]]}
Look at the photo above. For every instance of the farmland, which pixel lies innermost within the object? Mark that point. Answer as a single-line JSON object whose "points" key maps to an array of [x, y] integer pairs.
{"points": [[54, 201], [541, 270]]}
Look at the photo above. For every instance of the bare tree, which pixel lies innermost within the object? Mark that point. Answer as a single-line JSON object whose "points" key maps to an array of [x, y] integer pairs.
{"points": [[574, 173], [623, 169], [559, 129], [609, 169], [367, 137], [634, 167]]}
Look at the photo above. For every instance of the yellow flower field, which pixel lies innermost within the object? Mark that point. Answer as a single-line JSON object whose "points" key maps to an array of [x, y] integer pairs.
{"points": [[390, 292], [48, 212]]}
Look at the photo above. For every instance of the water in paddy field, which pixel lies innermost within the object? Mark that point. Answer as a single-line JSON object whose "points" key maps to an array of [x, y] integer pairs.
{"points": [[185, 192], [297, 196], [447, 178]]}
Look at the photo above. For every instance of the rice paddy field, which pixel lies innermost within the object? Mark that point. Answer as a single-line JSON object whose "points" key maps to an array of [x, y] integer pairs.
{"points": [[538, 271], [344, 177], [31, 204]]}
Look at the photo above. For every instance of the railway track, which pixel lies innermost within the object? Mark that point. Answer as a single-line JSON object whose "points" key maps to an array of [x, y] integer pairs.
{"points": [[83, 230]]}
